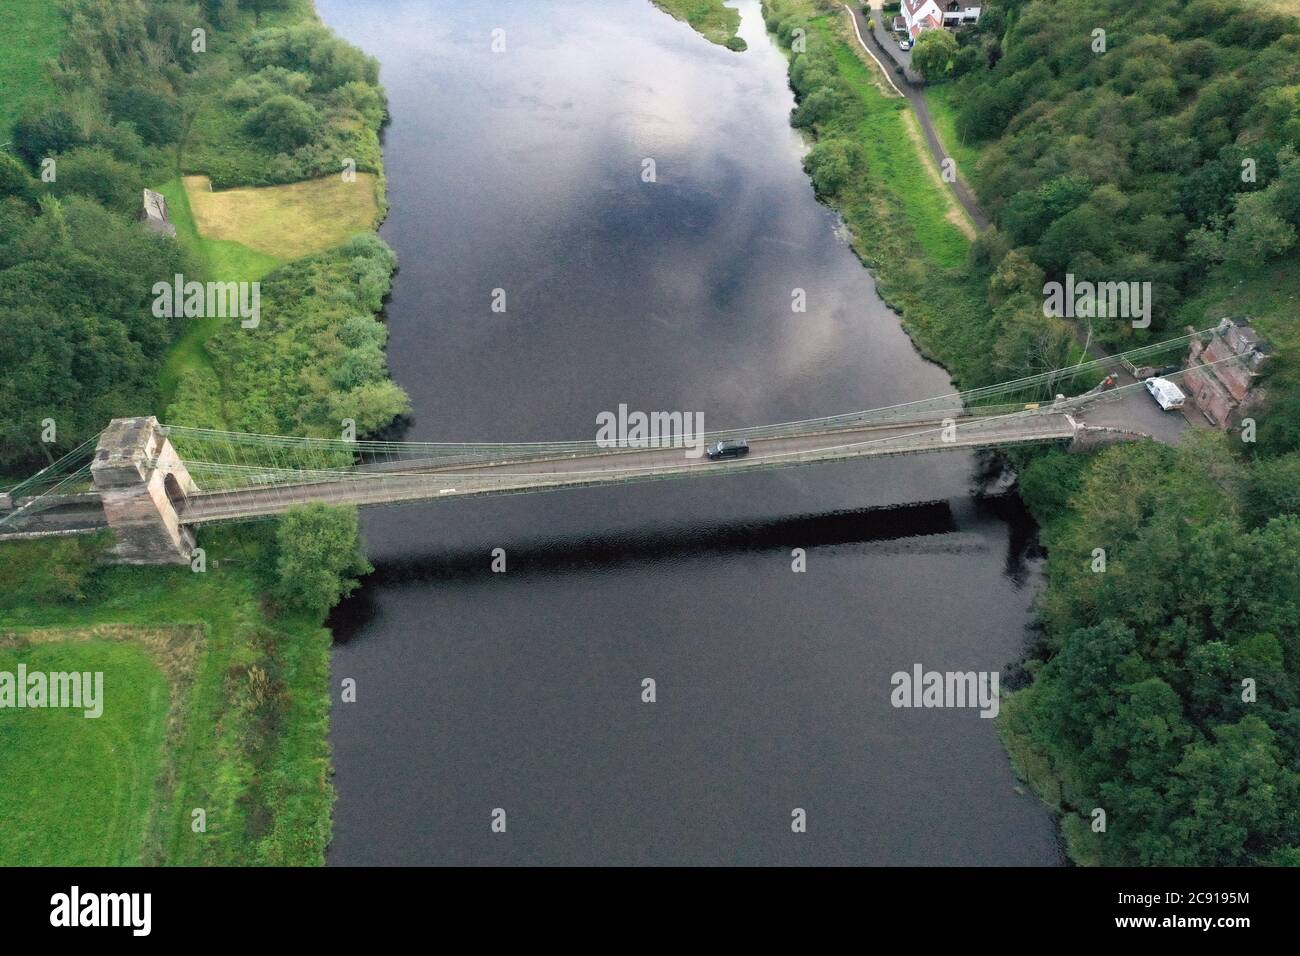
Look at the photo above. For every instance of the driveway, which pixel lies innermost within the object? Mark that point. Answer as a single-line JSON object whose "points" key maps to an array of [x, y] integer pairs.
{"points": [[887, 41], [911, 86]]}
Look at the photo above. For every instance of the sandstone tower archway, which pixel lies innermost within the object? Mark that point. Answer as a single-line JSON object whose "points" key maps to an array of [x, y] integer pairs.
{"points": [[141, 480]]}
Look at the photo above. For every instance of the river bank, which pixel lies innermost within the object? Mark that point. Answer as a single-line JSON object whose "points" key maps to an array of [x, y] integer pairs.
{"points": [[714, 20], [868, 165], [1118, 650], [218, 668]]}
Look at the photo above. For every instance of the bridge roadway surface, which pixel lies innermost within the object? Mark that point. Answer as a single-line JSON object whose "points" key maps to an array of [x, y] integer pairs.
{"points": [[382, 484]]}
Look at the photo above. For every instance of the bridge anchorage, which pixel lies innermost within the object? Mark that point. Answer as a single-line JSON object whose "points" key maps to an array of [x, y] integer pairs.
{"points": [[153, 484], [141, 480]]}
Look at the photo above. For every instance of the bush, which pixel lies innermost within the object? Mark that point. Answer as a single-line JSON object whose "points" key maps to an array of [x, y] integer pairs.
{"points": [[155, 117], [46, 133], [261, 86], [312, 49], [318, 552], [92, 171], [51, 571], [830, 164], [363, 98], [284, 123], [14, 180]]}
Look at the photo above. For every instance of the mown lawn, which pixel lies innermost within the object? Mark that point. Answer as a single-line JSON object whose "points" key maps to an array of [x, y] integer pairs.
{"points": [[248, 745], [284, 222], [897, 163], [79, 791], [942, 101], [30, 34]]}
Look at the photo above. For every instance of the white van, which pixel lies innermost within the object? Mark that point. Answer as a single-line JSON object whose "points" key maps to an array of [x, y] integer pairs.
{"points": [[1167, 395]]}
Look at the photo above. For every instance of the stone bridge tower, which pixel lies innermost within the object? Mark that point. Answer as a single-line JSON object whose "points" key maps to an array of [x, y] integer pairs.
{"points": [[140, 480]]}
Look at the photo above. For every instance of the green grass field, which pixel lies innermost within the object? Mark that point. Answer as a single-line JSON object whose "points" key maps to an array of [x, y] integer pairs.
{"points": [[248, 744], [897, 166], [286, 222], [943, 111], [712, 20], [30, 34], [98, 774], [229, 260]]}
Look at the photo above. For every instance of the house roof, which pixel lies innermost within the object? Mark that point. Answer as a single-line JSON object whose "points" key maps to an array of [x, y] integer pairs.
{"points": [[927, 22]]}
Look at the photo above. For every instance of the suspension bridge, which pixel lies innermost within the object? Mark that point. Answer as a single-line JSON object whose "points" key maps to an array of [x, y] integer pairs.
{"points": [[153, 483]]}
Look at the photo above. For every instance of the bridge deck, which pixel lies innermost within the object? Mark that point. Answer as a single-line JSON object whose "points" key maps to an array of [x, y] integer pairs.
{"points": [[619, 466]]}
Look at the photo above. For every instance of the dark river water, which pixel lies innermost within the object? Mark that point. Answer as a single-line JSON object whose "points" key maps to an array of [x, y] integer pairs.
{"points": [[522, 170]]}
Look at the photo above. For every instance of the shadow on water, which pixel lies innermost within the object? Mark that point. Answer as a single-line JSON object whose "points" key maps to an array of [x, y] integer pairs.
{"points": [[676, 543]]}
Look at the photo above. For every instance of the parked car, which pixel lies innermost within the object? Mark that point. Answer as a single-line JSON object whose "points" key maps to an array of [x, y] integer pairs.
{"points": [[1167, 395], [731, 448], [904, 43]]}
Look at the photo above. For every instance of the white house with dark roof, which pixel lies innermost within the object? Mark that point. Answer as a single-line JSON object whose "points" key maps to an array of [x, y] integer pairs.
{"points": [[921, 15]]}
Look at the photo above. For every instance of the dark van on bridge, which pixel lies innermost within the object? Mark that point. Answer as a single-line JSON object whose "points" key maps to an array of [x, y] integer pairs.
{"points": [[731, 448]]}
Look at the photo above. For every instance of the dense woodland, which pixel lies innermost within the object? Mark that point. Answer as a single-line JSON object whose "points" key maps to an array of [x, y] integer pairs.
{"points": [[1171, 151], [1164, 687], [1170, 158], [271, 97]]}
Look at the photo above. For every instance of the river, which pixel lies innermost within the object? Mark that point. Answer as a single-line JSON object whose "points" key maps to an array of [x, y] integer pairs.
{"points": [[523, 170]]}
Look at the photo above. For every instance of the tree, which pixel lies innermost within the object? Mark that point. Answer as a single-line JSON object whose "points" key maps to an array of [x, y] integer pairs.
{"points": [[1016, 273], [830, 164], [1273, 488], [14, 180], [284, 123], [51, 131], [1258, 233], [934, 54], [815, 107], [92, 171], [262, 6], [1029, 342], [155, 117], [318, 552], [1228, 797]]}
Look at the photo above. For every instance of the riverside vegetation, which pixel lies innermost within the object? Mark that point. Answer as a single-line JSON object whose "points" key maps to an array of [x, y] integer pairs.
{"points": [[218, 678], [1165, 689], [714, 21]]}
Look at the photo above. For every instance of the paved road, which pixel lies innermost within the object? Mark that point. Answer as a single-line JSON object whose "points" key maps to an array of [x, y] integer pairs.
{"points": [[614, 467], [910, 84]]}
